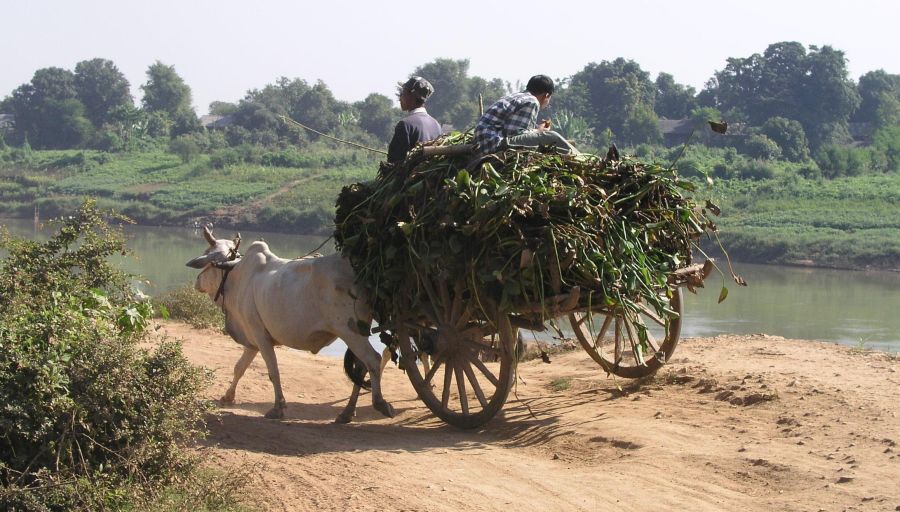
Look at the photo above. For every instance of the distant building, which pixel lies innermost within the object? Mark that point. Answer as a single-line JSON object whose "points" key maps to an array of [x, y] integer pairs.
{"points": [[675, 131], [211, 122], [861, 133]]}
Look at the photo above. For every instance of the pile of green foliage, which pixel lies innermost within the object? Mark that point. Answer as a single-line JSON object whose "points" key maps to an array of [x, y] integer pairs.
{"points": [[525, 227], [90, 419]]}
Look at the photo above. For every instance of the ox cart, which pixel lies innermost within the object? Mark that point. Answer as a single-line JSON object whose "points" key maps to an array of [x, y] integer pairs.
{"points": [[435, 306]]}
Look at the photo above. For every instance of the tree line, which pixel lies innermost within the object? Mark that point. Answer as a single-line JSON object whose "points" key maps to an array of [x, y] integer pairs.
{"points": [[788, 102]]}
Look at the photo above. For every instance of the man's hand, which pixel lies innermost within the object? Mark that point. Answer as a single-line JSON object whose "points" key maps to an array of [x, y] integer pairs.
{"points": [[544, 125]]}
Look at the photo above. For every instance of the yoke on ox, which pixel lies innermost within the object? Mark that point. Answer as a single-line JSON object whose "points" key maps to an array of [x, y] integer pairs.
{"points": [[304, 304]]}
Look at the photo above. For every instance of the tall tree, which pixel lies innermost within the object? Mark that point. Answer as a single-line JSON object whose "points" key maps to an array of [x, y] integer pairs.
{"points": [[673, 100], [101, 88], [613, 91], [166, 92], [829, 96], [789, 136], [878, 91], [47, 110], [377, 115], [779, 92], [787, 81]]}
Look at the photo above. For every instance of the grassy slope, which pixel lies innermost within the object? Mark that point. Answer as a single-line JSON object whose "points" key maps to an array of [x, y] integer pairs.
{"points": [[158, 188], [848, 222]]}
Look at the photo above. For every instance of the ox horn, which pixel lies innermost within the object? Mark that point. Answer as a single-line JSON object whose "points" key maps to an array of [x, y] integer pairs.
{"points": [[237, 242], [207, 234]]}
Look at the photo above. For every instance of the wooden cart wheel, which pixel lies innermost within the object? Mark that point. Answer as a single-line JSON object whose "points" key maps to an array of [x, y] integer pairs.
{"points": [[612, 338], [472, 364]]}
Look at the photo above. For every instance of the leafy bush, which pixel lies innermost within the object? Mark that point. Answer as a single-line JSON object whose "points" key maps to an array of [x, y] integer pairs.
{"points": [[188, 305], [836, 160], [90, 419], [755, 170], [224, 157], [760, 146]]}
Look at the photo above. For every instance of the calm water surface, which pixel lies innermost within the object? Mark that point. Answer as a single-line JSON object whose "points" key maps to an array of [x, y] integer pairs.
{"points": [[841, 306]]}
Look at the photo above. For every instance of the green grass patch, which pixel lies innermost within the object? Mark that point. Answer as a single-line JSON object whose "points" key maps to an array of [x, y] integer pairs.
{"points": [[561, 383]]}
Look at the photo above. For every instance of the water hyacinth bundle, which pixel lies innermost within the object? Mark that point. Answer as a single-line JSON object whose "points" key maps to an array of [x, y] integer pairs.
{"points": [[517, 231]]}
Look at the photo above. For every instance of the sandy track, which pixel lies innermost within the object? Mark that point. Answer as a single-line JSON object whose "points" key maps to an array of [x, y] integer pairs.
{"points": [[733, 423]]}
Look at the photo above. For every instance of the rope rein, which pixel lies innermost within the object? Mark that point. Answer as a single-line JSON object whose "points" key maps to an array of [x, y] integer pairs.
{"points": [[288, 120]]}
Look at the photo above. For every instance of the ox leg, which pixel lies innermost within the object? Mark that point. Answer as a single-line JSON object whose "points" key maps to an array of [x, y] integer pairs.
{"points": [[267, 350], [239, 368], [361, 348], [346, 416]]}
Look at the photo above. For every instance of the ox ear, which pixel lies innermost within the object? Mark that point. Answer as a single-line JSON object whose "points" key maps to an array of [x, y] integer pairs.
{"points": [[199, 261], [207, 234]]}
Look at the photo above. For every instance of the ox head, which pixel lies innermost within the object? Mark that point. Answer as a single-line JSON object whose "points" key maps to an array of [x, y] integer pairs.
{"points": [[219, 255]]}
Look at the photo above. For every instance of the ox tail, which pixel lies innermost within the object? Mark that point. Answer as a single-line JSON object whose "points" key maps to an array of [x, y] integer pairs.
{"points": [[356, 371]]}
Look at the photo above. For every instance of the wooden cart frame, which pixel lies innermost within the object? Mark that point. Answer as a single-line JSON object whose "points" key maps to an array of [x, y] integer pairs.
{"points": [[473, 362]]}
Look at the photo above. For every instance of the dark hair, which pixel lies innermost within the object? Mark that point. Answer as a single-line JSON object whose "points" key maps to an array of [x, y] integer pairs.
{"points": [[540, 84]]}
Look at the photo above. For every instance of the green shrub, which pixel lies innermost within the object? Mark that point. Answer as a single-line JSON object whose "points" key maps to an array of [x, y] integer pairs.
{"points": [[755, 170], [224, 157], [90, 419], [189, 305]]}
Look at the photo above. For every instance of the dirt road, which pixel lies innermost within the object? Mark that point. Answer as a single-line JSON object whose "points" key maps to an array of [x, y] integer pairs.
{"points": [[733, 423]]}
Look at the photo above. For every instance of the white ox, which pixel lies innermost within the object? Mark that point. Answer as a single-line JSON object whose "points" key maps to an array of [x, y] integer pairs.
{"points": [[304, 304]]}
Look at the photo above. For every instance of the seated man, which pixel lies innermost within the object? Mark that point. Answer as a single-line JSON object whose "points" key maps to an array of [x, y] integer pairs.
{"points": [[512, 121], [418, 126]]}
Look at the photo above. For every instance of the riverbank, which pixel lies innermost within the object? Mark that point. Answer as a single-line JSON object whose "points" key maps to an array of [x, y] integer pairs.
{"points": [[788, 219], [733, 422]]}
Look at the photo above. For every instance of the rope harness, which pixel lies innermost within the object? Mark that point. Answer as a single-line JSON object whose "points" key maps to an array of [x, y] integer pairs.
{"points": [[226, 269]]}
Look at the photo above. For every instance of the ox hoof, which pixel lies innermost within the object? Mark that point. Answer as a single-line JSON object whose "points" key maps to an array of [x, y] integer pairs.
{"points": [[276, 413], [385, 408], [343, 418], [227, 400]]}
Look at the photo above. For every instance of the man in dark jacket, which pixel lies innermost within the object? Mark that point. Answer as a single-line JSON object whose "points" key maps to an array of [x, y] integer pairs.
{"points": [[418, 126]]}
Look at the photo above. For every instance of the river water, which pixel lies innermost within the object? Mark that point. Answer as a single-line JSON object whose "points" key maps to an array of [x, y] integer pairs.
{"points": [[849, 307]]}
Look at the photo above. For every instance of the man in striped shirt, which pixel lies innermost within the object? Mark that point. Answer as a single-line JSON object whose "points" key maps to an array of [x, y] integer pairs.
{"points": [[512, 121]]}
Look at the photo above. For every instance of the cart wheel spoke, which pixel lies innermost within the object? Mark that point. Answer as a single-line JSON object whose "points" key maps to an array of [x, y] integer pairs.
{"points": [[435, 364], [633, 340], [484, 369], [618, 341], [448, 375], [648, 312], [461, 384], [651, 340], [475, 386], [600, 335], [463, 319]]}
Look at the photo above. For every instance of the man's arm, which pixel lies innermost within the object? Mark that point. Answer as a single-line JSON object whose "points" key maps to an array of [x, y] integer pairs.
{"points": [[400, 143]]}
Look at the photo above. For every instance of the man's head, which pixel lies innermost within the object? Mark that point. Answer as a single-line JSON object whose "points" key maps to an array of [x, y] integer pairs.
{"points": [[541, 87], [414, 92]]}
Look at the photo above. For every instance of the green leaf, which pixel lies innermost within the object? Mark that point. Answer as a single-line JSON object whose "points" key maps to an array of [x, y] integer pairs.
{"points": [[463, 178], [723, 294]]}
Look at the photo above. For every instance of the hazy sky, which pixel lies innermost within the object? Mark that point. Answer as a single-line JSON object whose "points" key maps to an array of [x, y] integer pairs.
{"points": [[223, 48]]}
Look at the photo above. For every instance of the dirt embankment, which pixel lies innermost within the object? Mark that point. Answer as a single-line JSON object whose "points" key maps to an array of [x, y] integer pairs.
{"points": [[733, 423]]}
